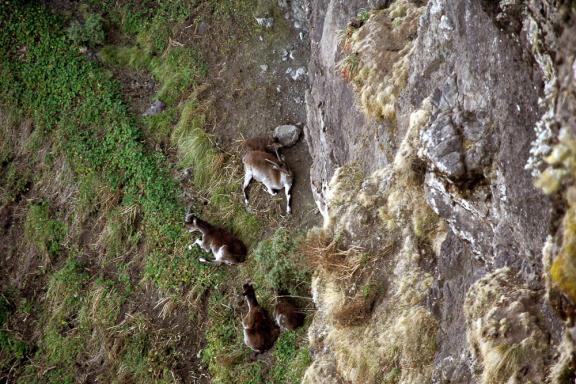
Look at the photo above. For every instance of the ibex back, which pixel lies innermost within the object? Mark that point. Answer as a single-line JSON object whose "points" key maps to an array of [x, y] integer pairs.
{"points": [[286, 313], [226, 248], [270, 171], [260, 331]]}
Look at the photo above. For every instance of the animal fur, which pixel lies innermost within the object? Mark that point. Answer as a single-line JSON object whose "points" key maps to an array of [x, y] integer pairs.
{"points": [[225, 247]]}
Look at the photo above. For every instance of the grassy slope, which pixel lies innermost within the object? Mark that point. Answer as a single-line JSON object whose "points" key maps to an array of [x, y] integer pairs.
{"points": [[123, 192]]}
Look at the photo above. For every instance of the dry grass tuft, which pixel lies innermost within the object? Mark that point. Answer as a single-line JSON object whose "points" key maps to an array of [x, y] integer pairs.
{"points": [[328, 254], [503, 330], [377, 56]]}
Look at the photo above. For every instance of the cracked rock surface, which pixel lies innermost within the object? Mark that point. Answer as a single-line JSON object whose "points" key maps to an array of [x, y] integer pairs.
{"points": [[482, 68]]}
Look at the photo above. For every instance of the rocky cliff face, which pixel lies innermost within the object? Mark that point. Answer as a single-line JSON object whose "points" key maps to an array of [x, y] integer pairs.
{"points": [[429, 124]]}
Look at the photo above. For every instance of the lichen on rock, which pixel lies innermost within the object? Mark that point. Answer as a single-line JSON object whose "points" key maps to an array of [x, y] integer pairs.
{"points": [[503, 330], [378, 55], [372, 332]]}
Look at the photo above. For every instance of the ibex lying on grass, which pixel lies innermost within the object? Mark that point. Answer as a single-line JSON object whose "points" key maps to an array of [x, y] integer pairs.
{"points": [[226, 248], [287, 315], [270, 171], [260, 331]]}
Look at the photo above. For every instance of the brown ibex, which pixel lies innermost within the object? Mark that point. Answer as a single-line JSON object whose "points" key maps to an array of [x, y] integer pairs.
{"points": [[286, 314], [270, 171], [226, 248], [265, 144], [260, 331]]}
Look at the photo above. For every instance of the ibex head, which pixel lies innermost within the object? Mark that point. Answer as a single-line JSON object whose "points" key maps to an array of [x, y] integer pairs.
{"points": [[248, 289], [190, 220]]}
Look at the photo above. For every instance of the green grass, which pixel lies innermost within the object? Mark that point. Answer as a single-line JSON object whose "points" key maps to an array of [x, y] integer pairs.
{"points": [[125, 199], [278, 266], [44, 231], [90, 32], [79, 104], [273, 265], [292, 359], [177, 70], [12, 348]]}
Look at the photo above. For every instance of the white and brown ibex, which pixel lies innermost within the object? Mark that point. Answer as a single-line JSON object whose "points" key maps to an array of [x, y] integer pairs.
{"points": [[260, 331], [271, 171], [286, 313], [226, 248]]}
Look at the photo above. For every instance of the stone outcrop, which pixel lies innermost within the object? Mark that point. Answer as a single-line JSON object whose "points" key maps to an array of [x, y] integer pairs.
{"points": [[428, 165]]}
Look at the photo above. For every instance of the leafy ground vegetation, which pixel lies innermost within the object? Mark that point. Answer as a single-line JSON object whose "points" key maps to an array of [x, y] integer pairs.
{"points": [[97, 282]]}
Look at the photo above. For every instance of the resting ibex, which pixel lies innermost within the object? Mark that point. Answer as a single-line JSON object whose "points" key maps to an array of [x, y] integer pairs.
{"points": [[260, 331], [226, 248], [265, 144], [270, 171], [287, 315]]}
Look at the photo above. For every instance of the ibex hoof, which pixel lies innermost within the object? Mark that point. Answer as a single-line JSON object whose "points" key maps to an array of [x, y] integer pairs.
{"points": [[203, 260]]}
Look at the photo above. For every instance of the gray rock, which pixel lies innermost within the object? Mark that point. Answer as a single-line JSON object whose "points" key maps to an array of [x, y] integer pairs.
{"points": [[266, 22], [203, 28], [297, 10], [442, 147], [378, 4], [484, 93], [287, 55], [287, 135], [296, 73], [154, 109]]}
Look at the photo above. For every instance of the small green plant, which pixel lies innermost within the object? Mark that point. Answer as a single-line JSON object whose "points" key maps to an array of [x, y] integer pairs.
{"points": [[292, 359], [392, 376], [123, 232], [44, 231], [364, 15], [349, 66], [90, 33]]}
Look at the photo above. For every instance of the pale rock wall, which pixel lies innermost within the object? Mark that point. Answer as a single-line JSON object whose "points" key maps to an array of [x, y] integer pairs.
{"points": [[440, 193]]}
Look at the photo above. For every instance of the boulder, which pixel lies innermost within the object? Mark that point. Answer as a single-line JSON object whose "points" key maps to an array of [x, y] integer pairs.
{"points": [[287, 135], [155, 108]]}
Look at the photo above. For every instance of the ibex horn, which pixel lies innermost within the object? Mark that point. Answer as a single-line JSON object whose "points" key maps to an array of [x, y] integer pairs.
{"points": [[188, 214]]}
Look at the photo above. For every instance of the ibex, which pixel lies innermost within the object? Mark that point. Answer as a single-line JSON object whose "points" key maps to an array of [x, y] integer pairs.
{"points": [[260, 331], [286, 314], [270, 171], [226, 248], [265, 144]]}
